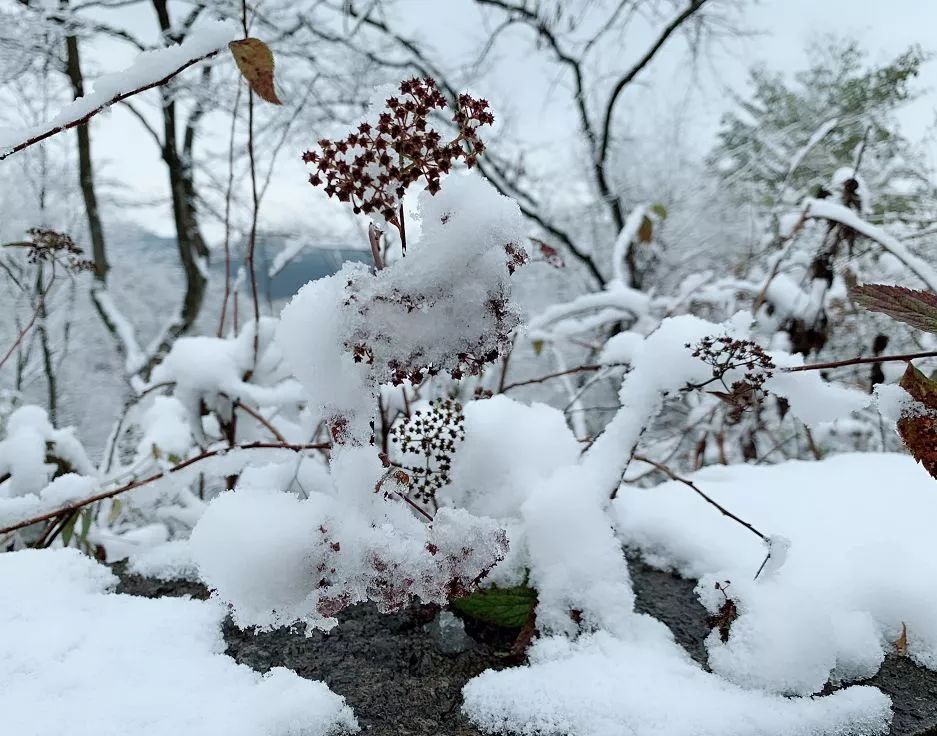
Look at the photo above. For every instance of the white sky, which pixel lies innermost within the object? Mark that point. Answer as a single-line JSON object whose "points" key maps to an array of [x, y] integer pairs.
{"points": [[519, 84]]}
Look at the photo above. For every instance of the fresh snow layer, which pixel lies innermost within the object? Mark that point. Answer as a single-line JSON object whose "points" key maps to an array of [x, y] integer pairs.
{"points": [[860, 565], [168, 561], [449, 297], [28, 488], [148, 68], [76, 659], [644, 684]]}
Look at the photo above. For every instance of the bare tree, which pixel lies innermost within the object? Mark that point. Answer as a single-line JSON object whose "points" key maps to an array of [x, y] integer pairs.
{"points": [[577, 39]]}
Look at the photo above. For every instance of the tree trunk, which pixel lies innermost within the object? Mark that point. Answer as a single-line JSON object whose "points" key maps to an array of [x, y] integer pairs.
{"points": [[189, 239], [85, 167]]}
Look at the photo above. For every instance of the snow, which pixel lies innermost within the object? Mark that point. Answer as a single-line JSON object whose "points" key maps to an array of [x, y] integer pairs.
{"points": [[812, 399], [576, 563], [858, 568], [134, 358], [818, 135], [893, 401], [620, 348], [30, 441], [310, 336], [291, 248], [825, 209], [60, 491], [206, 37], [280, 559], [845, 173], [617, 302], [443, 307], [168, 561], [629, 232], [644, 684], [495, 471], [213, 370], [165, 428], [121, 664]]}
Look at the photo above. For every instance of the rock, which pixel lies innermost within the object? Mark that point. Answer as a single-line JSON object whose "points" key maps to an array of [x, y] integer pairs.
{"points": [[448, 632], [403, 673]]}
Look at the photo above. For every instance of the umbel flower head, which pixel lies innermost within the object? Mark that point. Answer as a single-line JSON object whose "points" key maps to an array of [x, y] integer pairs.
{"points": [[372, 167]]}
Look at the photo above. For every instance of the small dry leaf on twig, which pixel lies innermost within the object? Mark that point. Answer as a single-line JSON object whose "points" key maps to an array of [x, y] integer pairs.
{"points": [[255, 62], [723, 619], [901, 644], [917, 425]]}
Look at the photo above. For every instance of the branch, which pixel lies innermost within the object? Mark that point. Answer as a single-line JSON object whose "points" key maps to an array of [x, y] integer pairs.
{"points": [[260, 418], [145, 123], [68, 508], [486, 164], [113, 101], [861, 361], [559, 374], [22, 333], [638, 67], [690, 484]]}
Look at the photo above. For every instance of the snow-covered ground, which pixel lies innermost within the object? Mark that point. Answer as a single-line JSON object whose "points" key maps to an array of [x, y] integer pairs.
{"points": [[77, 658]]}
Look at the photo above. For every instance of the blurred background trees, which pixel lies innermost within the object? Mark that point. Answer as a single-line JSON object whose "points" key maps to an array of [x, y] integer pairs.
{"points": [[605, 110]]}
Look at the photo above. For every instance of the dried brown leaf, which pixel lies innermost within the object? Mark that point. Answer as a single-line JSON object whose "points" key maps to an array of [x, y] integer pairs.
{"points": [[901, 644], [646, 230], [918, 423], [549, 254], [255, 62]]}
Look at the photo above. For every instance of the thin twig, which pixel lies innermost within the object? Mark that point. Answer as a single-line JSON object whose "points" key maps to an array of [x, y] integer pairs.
{"points": [[156, 476], [22, 333], [260, 418], [861, 361], [374, 239], [227, 215], [252, 239], [559, 374], [690, 484]]}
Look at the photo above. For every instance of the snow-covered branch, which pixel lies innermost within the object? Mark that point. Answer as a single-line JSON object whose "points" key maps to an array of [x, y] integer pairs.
{"points": [[149, 70]]}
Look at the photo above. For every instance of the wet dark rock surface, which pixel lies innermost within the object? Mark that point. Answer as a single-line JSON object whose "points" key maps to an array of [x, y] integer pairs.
{"points": [[393, 672]]}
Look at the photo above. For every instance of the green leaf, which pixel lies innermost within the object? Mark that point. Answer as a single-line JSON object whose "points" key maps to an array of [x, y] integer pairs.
{"points": [[507, 607], [114, 513], [918, 423], [913, 307], [85, 526], [658, 209], [69, 529]]}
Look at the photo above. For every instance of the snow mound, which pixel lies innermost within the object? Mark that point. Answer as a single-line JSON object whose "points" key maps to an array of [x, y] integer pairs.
{"points": [[76, 659], [859, 568], [645, 685]]}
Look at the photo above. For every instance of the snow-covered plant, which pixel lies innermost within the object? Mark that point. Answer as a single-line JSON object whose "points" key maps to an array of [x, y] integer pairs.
{"points": [[443, 307], [416, 495]]}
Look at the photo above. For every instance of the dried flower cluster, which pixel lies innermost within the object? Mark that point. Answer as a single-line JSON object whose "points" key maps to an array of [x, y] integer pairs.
{"points": [[451, 565], [367, 346], [432, 435], [49, 246], [372, 167], [725, 354]]}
